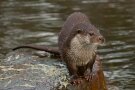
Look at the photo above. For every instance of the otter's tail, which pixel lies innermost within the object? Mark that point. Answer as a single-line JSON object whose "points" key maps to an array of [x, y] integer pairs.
{"points": [[52, 50]]}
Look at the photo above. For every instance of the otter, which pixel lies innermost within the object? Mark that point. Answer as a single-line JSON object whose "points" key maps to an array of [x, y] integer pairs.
{"points": [[77, 46]]}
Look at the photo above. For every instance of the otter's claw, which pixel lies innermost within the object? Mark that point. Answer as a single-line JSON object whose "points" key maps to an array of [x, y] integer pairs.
{"points": [[76, 81], [88, 77]]}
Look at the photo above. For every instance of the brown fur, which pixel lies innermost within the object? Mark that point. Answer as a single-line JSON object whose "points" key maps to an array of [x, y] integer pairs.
{"points": [[74, 52], [77, 44]]}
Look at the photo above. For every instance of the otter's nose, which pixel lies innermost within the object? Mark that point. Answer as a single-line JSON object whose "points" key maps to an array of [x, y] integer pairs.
{"points": [[101, 39]]}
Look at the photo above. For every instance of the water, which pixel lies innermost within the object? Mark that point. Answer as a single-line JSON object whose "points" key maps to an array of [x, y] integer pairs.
{"points": [[39, 21]]}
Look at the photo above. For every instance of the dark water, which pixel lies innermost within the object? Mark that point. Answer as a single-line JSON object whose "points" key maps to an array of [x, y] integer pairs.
{"points": [[39, 21]]}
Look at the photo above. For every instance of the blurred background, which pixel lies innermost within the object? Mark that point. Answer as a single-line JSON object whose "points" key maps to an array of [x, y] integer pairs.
{"points": [[39, 22]]}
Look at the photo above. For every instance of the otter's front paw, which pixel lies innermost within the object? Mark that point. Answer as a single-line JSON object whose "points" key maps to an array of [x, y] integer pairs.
{"points": [[88, 75], [75, 80]]}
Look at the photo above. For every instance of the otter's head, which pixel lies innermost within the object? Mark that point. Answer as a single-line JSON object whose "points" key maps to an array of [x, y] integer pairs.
{"points": [[87, 35]]}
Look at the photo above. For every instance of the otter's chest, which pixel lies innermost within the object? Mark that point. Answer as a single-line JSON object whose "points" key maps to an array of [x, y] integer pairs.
{"points": [[80, 56], [79, 53]]}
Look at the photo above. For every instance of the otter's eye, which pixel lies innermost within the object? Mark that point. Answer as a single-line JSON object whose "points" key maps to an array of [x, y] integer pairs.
{"points": [[91, 34], [79, 31]]}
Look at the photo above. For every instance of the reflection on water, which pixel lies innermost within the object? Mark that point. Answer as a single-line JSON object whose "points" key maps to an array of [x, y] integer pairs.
{"points": [[39, 21]]}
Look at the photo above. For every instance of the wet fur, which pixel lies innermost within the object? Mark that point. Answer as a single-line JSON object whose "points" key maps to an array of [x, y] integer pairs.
{"points": [[81, 50], [77, 49]]}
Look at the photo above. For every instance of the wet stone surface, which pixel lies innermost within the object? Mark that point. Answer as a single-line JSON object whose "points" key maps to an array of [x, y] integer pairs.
{"points": [[32, 73]]}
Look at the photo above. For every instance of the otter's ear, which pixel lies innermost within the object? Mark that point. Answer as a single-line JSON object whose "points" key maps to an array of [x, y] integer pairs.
{"points": [[79, 30]]}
